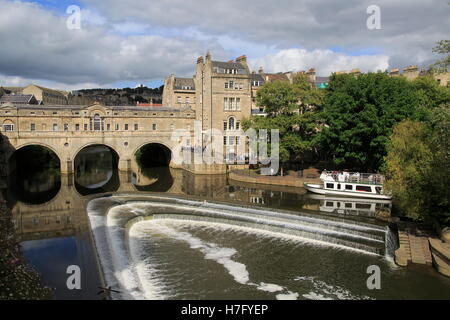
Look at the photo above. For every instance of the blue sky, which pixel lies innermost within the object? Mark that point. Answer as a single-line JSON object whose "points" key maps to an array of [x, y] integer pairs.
{"points": [[125, 43]]}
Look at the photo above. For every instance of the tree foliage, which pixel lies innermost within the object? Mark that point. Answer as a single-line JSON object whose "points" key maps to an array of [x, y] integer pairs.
{"points": [[442, 47], [430, 95], [418, 167], [359, 114], [289, 109], [278, 98]]}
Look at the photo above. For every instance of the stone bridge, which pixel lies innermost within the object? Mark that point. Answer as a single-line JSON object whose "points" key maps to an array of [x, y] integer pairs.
{"points": [[66, 130]]}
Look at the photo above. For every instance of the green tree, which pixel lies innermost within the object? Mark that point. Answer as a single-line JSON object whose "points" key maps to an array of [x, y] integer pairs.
{"points": [[359, 114], [430, 95], [289, 109], [418, 167], [407, 166], [278, 97], [309, 97], [442, 47]]}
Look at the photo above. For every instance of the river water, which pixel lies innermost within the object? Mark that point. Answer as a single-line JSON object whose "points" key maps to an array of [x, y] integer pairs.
{"points": [[160, 233]]}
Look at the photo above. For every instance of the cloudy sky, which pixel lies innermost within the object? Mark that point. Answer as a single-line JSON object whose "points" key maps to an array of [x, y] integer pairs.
{"points": [[123, 43]]}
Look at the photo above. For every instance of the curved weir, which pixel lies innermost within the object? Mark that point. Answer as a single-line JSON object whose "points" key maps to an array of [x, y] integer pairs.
{"points": [[114, 223]]}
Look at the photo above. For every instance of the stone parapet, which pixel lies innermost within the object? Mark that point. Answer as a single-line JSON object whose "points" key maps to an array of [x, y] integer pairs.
{"points": [[441, 255]]}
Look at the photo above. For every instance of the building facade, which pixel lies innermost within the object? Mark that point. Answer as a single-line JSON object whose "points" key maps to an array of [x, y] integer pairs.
{"points": [[46, 96]]}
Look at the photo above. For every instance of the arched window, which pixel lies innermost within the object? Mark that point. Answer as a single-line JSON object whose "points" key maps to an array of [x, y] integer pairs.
{"points": [[8, 125], [231, 123], [97, 122]]}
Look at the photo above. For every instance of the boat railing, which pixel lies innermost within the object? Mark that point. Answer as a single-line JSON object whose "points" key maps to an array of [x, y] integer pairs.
{"points": [[353, 177]]}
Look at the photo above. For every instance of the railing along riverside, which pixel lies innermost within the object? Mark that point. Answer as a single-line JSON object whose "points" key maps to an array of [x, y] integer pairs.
{"points": [[353, 177]]}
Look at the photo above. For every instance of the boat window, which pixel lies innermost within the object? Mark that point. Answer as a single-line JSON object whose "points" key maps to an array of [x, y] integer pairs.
{"points": [[363, 206], [329, 204], [339, 186], [364, 188], [348, 187], [348, 205], [330, 185]]}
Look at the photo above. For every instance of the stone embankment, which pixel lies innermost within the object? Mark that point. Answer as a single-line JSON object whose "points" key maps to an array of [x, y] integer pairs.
{"points": [[440, 251], [292, 179], [419, 245]]}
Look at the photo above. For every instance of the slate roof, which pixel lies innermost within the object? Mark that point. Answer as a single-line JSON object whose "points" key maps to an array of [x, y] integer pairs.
{"points": [[228, 65], [257, 77], [16, 98], [113, 108], [184, 82]]}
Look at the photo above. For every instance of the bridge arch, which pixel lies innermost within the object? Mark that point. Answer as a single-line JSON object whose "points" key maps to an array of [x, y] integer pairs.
{"points": [[164, 152], [36, 182], [36, 143], [92, 144]]}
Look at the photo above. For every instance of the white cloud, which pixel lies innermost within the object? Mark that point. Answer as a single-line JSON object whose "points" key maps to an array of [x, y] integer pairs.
{"points": [[325, 61], [136, 41], [409, 28], [35, 44]]}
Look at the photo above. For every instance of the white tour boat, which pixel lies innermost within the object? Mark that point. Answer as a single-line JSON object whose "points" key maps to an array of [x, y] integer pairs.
{"points": [[350, 184]]}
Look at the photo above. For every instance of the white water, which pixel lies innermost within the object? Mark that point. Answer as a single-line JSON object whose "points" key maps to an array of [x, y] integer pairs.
{"points": [[127, 267]]}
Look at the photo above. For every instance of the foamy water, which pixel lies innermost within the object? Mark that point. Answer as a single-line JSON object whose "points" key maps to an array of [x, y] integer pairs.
{"points": [[131, 267]]}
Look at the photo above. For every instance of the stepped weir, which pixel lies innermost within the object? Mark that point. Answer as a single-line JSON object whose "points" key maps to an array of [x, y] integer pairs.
{"points": [[112, 218]]}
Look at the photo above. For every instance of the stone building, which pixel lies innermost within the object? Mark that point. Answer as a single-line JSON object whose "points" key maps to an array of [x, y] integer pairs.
{"points": [[182, 92], [412, 72], [47, 96], [221, 93]]}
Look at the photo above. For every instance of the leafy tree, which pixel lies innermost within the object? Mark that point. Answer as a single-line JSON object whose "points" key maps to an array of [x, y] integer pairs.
{"points": [[418, 167], [442, 47], [430, 94], [359, 114], [278, 97], [309, 97], [288, 107], [407, 166]]}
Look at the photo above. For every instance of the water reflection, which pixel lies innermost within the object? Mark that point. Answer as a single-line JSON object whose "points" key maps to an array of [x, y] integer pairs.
{"points": [[352, 206], [156, 179], [96, 170]]}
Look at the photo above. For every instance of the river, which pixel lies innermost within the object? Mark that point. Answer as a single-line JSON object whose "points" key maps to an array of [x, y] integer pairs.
{"points": [[161, 233]]}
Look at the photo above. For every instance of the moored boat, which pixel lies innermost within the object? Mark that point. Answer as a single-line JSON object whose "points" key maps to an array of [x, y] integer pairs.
{"points": [[350, 184]]}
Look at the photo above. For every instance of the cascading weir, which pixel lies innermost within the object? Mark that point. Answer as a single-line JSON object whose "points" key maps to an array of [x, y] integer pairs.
{"points": [[112, 217]]}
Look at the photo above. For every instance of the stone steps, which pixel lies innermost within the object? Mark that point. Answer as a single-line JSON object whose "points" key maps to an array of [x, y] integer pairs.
{"points": [[414, 246]]}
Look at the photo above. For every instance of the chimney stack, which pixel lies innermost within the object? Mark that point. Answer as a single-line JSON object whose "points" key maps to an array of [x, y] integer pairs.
{"points": [[242, 59], [411, 72], [394, 72], [311, 74], [261, 70]]}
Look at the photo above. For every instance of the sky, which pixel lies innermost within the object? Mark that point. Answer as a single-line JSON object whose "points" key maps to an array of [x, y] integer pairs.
{"points": [[126, 43]]}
